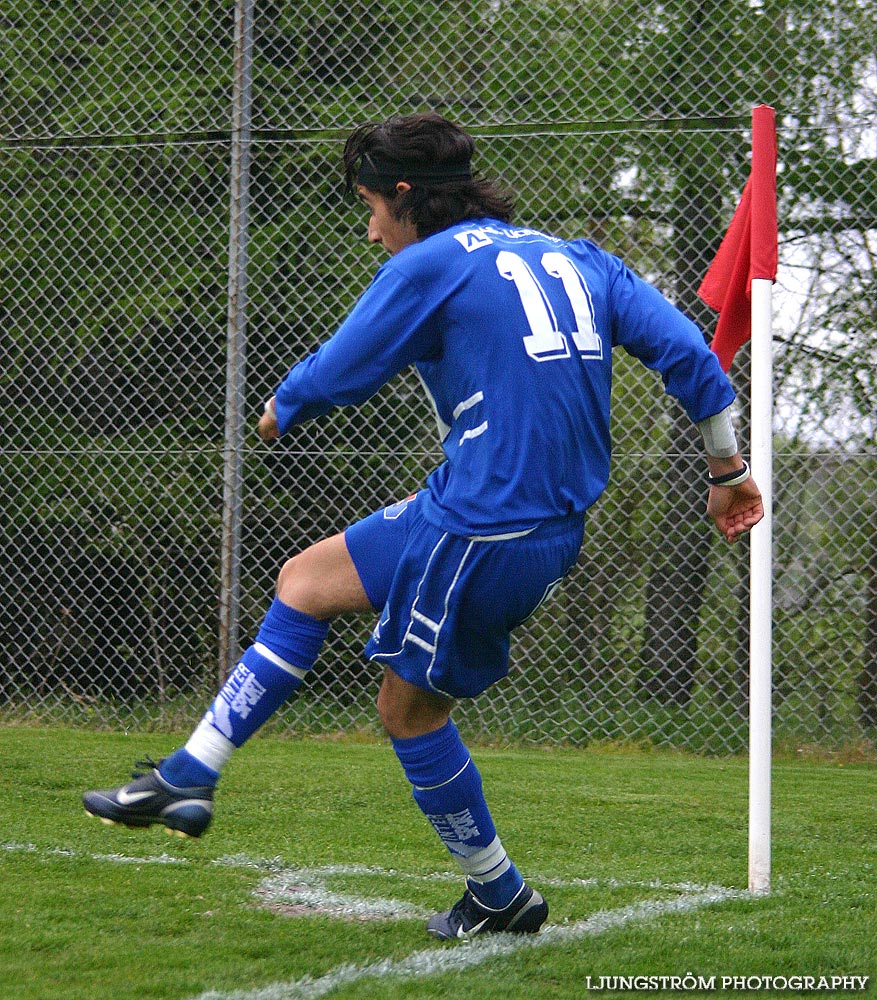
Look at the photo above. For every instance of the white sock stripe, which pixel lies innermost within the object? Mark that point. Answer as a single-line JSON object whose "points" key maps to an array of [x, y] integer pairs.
{"points": [[492, 873], [441, 784], [278, 661], [208, 745], [487, 861]]}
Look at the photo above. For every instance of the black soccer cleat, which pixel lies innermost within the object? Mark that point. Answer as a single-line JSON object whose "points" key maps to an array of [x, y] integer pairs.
{"points": [[526, 913], [185, 812]]}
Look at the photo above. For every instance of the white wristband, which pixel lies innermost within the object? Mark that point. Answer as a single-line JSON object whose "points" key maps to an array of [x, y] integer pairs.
{"points": [[269, 408], [718, 434]]}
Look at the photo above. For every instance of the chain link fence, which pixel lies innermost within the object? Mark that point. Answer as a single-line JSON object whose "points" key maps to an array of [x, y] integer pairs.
{"points": [[174, 237]]}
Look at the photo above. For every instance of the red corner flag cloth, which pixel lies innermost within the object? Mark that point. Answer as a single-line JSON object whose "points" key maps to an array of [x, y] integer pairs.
{"points": [[749, 249]]}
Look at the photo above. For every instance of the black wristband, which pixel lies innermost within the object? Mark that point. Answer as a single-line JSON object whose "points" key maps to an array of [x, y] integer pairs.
{"points": [[731, 478]]}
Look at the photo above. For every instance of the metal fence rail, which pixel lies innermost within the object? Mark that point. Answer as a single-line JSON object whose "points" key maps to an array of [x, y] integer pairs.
{"points": [[174, 237]]}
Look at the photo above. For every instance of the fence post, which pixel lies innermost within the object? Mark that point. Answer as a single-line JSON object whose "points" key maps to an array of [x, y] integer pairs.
{"points": [[230, 570]]}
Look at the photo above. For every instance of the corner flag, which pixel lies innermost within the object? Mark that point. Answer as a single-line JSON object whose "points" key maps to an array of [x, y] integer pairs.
{"points": [[739, 285], [749, 249]]}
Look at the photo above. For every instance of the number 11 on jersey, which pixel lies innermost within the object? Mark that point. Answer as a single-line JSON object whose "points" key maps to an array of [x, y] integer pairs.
{"points": [[546, 342]]}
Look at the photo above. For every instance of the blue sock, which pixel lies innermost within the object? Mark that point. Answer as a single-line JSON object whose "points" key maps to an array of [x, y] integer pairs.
{"points": [[183, 770], [268, 673], [447, 787]]}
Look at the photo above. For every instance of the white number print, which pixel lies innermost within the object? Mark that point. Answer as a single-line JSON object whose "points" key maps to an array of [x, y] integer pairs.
{"points": [[545, 341]]}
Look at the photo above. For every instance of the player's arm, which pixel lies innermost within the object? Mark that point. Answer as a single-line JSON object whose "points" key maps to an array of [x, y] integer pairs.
{"points": [[655, 331], [734, 501], [388, 329], [267, 428]]}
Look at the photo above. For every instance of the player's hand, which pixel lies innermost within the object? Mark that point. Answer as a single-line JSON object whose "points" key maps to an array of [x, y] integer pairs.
{"points": [[735, 509], [268, 430]]}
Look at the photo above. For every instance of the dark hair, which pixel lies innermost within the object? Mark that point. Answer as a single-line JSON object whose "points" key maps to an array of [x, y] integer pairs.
{"points": [[419, 148]]}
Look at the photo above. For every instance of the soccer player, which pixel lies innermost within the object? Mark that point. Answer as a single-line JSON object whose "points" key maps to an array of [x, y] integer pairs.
{"points": [[511, 331]]}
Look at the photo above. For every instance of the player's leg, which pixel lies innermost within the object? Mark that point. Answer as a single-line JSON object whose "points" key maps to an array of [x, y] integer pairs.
{"points": [[446, 783], [444, 634], [312, 588], [448, 789]]}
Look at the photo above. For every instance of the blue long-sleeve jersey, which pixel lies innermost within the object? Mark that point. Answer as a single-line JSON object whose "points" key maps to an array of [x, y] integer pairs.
{"points": [[512, 333]]}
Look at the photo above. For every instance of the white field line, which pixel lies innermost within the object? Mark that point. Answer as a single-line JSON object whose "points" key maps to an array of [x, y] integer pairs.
{"points": [[14, 846], [305, 889], [307, 885], [277, 866], [434, 961]]}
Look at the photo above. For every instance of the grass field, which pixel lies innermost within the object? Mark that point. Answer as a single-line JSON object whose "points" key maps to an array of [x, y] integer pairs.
{"points": [[319, 871]]}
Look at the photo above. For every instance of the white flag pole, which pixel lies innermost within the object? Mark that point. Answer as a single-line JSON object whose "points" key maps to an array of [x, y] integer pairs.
{"points": [[761, 591]]}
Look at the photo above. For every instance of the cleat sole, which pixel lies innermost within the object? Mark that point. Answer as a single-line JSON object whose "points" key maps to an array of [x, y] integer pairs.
{"points": [[103, 819], [179, 833], [115, 822]]}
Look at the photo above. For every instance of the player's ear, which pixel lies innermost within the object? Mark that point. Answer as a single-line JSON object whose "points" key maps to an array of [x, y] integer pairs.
{"points": [[402, 187]]}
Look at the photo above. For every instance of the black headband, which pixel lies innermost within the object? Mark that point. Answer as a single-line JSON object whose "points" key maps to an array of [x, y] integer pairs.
{"points": [[375, 173]]}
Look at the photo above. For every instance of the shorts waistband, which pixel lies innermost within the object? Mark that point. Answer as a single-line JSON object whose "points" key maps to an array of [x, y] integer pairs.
{"points": [[544, 529]]}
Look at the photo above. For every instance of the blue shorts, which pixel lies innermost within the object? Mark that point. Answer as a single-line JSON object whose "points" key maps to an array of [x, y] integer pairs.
{"points": [[447, 602]]}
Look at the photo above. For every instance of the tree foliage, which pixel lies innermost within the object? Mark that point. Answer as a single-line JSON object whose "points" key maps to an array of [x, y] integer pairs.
{"points": [[626, 123]]}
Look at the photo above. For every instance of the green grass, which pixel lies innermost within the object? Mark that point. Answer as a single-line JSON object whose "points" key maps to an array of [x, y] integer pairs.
{"points": [[79, 921]]}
